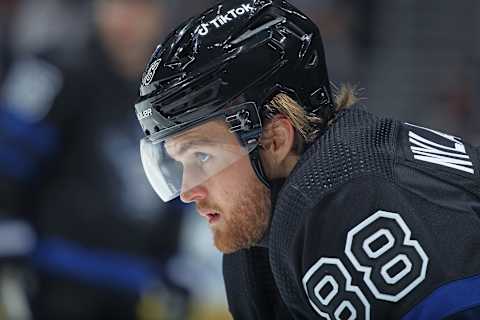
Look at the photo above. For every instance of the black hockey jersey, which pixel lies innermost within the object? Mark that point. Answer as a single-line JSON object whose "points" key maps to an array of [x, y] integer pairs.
{"points": [[378, 220]]}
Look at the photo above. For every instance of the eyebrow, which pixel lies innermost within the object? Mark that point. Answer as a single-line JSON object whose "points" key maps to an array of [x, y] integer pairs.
{"points": [[187, 145]]}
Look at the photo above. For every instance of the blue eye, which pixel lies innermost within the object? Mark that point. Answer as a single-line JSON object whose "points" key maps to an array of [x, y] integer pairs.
{"points": [[202, 157]]}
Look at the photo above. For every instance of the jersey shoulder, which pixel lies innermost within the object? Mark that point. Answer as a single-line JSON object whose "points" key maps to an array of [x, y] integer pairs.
{"points": [[357, 144], [353, 234], [374, 249]]}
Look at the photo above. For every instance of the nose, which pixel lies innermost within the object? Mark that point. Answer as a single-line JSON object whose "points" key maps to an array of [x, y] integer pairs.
{"points": [[193, 194], [193, 189]]}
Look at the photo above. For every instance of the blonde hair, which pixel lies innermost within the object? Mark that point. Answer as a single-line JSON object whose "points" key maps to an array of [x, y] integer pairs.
{"points": [[308, 126]]}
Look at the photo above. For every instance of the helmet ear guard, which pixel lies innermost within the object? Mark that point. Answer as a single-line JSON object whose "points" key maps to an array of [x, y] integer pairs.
{"points": [[247, 125]]}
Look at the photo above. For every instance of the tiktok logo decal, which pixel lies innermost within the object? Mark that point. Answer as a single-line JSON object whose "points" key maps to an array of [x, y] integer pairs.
{"points": [[223, 19]]}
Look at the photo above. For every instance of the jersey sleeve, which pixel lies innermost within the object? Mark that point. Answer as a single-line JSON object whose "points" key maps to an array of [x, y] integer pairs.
{"points": [[374, 250]]}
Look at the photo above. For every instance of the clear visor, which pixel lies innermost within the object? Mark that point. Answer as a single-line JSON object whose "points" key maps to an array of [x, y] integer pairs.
{"points": [[189, 159]]}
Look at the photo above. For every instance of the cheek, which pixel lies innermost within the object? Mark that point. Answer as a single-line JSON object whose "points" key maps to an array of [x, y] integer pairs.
{"points": [[240, 173], [231, 183]]}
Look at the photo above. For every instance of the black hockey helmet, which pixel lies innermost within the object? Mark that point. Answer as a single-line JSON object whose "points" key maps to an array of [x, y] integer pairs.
{"points": [[228, 62]]}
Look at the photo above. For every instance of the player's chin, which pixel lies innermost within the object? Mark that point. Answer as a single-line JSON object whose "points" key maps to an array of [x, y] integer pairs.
{"points": [[223, 242], [231, 240]]}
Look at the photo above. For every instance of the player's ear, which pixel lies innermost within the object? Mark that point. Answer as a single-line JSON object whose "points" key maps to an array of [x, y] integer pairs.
{"points": [[277, 143]]}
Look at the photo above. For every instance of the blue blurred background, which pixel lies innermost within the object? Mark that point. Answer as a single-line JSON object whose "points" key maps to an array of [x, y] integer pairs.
{"points": [[82, 235]]}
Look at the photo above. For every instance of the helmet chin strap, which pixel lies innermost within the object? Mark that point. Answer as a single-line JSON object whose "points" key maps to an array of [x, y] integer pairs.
{"points": [[258, 167]]}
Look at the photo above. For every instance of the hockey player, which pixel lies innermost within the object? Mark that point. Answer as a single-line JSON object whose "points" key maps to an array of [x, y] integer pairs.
{"points": [[323, 210]]}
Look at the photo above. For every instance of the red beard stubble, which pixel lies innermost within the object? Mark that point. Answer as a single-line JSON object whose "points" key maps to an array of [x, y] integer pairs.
{"points": [[245, 221]]}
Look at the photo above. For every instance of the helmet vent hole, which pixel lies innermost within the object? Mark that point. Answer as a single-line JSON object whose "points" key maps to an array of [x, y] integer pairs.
{"points": [[147, 132], [156, 129], [312, 61]]}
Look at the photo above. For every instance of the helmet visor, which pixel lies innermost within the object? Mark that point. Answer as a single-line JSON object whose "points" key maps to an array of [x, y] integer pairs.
{"points": [[188, 159]]}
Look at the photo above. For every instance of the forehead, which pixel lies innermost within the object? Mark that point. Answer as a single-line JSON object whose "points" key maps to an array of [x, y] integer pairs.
{"points": [[215, 131]]}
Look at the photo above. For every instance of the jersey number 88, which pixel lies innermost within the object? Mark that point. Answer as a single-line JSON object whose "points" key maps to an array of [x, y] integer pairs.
{"points": [[380, 247]]}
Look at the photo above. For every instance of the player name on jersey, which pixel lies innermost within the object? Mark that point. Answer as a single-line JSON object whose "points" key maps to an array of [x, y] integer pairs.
{"points": [[447, 150]]}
